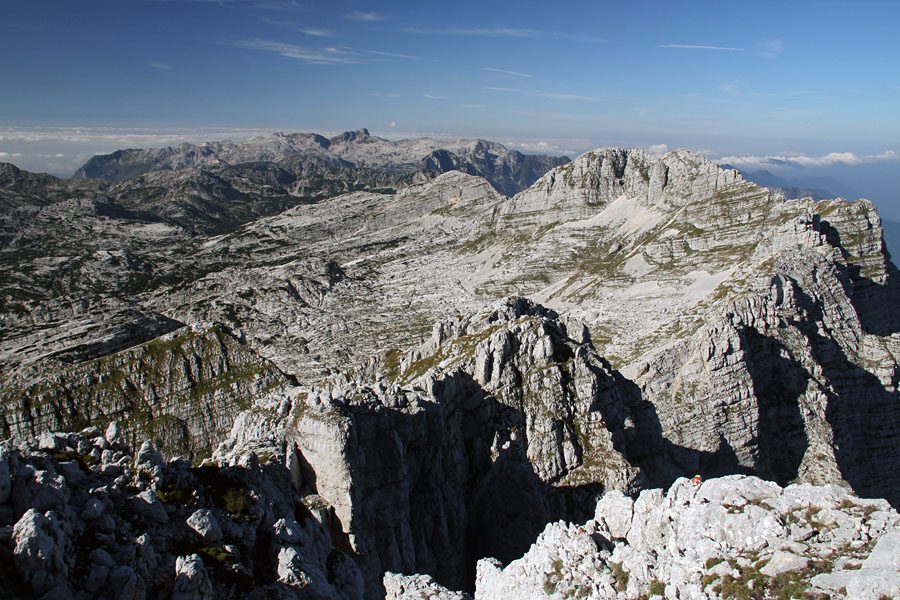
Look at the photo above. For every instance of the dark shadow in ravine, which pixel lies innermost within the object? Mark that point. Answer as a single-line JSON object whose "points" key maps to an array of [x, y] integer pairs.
{"points": [[863, 414], [779, 383], [875, 302]]}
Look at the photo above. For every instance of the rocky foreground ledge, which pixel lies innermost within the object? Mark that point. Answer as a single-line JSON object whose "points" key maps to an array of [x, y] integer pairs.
{"points": [[84, 516], [732, 537]]}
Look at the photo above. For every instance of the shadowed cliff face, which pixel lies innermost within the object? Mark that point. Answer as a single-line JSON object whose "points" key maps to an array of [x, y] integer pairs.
{"points": [[469, 463], [509, 420]]}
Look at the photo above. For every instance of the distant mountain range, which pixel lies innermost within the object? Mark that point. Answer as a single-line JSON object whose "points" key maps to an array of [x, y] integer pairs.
{"points": [[821, 188], [793, 188], [508, 171]]}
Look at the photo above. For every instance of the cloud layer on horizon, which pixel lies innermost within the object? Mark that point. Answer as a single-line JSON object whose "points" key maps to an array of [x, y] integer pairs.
{"points": [[787, 161]]}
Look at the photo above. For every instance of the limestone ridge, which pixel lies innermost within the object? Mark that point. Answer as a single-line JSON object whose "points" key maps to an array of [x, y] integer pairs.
{"points": [[182, 390], [793, 318], [508, 171], [498, 430], [723, 538]]}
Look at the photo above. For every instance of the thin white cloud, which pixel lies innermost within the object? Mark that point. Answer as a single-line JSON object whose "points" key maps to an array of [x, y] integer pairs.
{"points": [[286, 5], [770, 48], [542, 146], [732, 88], [736, 88], [384, 95], [658, 149], [478, 31], [801, 160], [366, 16], [542, 94], [301, 53], [471, 105], [699, 47], [503, 32], [10, 154], [434, 97], [160, 65], [505, 72], [316, 32], [275, 5], [393, 54], [116, 138]]}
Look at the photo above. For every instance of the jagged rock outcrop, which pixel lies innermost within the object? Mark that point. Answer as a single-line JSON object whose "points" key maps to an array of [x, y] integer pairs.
{"points": [[416, 587], [90, 518], [730, 537], [93, 518], [506, 420]]}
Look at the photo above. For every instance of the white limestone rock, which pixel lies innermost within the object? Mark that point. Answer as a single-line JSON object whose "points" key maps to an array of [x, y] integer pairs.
{"points": [[689, 540], [614, 510], [205, 523], [782, 562], [417, 587], [113, 432], [42, 550], [191, 579]]}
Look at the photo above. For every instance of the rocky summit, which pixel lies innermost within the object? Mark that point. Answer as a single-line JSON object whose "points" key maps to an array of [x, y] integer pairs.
{"points": [[353, 368]]}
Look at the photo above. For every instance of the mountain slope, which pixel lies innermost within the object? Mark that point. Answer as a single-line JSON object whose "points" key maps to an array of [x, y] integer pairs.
{"points": [[697, 285], [682, 321]]}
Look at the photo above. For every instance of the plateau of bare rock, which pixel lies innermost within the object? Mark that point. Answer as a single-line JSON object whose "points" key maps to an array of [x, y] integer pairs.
{"points": [[444, 371]]}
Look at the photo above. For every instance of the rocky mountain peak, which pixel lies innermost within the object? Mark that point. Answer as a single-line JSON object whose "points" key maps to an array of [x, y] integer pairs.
{"points": [[360, 135]]}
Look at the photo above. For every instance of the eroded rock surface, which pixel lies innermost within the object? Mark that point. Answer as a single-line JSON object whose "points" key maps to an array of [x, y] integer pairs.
{"points": [[89, 518], [728, 537], [683, 322]]}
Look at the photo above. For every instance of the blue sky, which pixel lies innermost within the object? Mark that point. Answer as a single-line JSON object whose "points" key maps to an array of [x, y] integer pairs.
{"points": [[764, 82]]}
